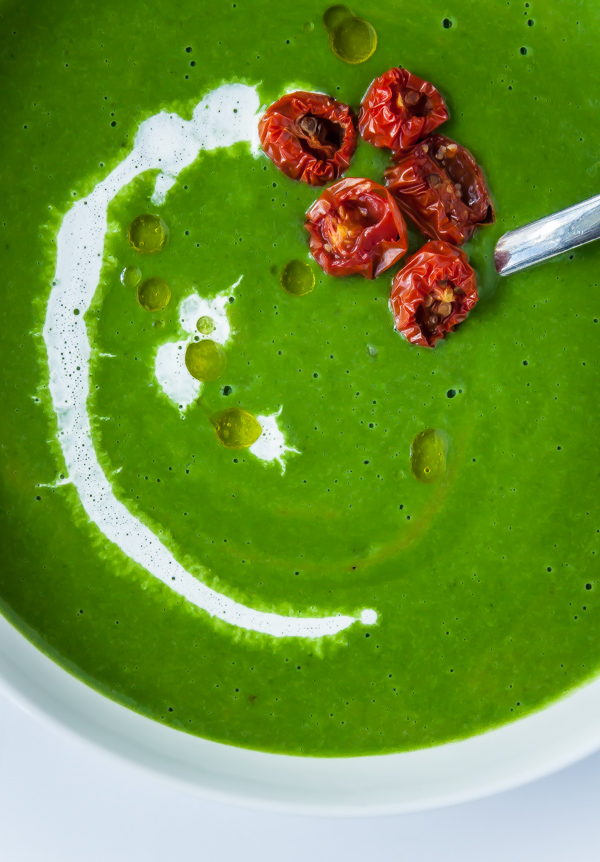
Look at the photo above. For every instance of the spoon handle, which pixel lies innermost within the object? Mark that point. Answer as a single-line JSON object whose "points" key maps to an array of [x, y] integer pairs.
{"points": [[547, 237]]}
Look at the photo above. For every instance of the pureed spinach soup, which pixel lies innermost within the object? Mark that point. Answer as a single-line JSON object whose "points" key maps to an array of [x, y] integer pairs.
{"points": [[310, 594]]}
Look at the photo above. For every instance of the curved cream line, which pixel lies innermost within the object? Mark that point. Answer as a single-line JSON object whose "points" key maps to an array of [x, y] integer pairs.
{"points": [[168, 143]]}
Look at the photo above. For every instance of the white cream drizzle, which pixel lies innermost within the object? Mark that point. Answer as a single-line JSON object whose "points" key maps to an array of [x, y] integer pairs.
{"points": [[169, 365], [172, 375], [169, 143], [271, 445], [178, 384]]}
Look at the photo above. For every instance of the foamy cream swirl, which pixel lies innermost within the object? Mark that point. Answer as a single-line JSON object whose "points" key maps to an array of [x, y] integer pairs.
{"points": [[168, 143]]}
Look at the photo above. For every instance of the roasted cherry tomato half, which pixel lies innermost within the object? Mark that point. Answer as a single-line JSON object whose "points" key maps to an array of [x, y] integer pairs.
{"points": [[442, 188], [433, 293], [309, 136], [356, 227], [399, 109]]}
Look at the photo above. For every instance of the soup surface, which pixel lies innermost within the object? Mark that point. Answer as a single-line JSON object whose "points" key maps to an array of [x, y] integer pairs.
{"points": [[309, 594]]}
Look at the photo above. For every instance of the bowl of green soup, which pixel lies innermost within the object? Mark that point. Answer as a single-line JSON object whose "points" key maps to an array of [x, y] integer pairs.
{"points": [[252, 538]]}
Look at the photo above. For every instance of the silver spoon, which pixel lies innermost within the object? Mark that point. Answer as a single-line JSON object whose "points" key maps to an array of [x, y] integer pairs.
{"points": [[548, 236]]}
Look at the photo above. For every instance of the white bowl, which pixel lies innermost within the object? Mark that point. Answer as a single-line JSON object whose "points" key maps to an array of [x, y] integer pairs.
{"points": [[386, 784]]}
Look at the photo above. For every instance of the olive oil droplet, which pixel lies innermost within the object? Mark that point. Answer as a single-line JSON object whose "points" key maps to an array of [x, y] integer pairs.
{"points": [[205, 325], [205, 360], [131, 276], [236, 428], [154, 294], [334, 16], [148, 233], [352, 39], [428, 455], [297, 278]]}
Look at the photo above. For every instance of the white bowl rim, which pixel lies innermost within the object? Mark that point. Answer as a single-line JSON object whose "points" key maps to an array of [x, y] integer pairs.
{"points": [[522, 751]]}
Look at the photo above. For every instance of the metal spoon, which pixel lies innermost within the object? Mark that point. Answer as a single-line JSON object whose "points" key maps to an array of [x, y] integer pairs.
{"points": [[548, 236]]}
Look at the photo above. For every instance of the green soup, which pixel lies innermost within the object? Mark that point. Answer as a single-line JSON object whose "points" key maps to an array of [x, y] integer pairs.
{"points": [[407, 555]]}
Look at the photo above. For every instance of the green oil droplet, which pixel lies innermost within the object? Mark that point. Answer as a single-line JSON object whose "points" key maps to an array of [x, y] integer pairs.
{"points": [[154, 294], [297, 278], [334, 16], [131, 276], [205, 325], [236, 428], [205, 360], [353, 40], [428, 455], [148, 233]]}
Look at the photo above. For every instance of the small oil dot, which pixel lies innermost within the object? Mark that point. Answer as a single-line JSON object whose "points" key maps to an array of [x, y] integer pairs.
{"points": [[352, 39], [148, 233], [154, 294], [297, 278], [428, 455], [131, 276], [205, 360], [335, 15], [236, 428], [205, 325]]}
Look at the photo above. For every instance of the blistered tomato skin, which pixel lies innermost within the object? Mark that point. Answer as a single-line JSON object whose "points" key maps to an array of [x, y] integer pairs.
{"points": [[309, 136], [356, 227], [433, 293], [439, 185], [399, 109]]}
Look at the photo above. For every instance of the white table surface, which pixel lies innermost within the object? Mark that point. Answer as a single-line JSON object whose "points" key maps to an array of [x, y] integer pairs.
{"points": [[63, 801]]}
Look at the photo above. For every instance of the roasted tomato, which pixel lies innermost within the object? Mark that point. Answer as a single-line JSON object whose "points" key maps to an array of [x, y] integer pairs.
{"points": [[433, 293], [441, 187], [356, 227], [309, 136], [399, 109]]}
